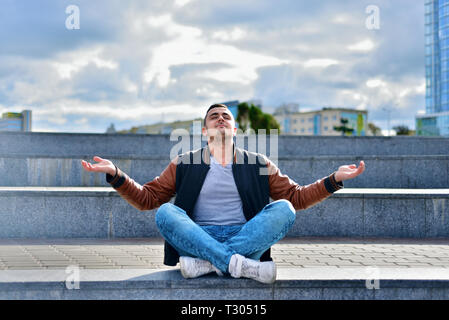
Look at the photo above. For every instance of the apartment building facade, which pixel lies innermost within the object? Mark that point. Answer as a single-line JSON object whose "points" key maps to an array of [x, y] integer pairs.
{"points": [[322, 122]]}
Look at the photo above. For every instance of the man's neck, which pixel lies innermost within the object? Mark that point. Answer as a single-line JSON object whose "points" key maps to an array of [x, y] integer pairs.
{"points": [[222, 152]]}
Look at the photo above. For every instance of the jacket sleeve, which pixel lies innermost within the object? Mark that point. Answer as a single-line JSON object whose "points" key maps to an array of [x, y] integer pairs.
{"points": [[149, 196], [301, 197]]}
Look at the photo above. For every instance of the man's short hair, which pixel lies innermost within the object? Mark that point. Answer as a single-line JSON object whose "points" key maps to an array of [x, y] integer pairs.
{"points": [[217, 105]]}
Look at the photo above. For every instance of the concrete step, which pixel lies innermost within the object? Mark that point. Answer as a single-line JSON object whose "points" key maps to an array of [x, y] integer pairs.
{"points": [[54, 159], [378, 270], [63, 212], [292, 284], [404, 171], [48, 144]]}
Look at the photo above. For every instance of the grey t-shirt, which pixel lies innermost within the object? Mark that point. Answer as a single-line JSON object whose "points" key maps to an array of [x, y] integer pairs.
{"points": [[219, 202]]}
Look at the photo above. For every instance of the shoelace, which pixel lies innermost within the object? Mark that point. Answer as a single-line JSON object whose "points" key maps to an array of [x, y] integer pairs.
{"points": [[252, 271], [235, 267], [203, 265]]}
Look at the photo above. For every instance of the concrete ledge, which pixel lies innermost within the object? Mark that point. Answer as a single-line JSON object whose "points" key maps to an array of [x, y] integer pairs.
{"points": [[53, 159], [292, 284], [109, 191], [405, 171], [43, 212], [57, 144]]}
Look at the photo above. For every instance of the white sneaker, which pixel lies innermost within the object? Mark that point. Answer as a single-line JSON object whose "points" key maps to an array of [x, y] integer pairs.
{"points": [[194, 267], [265, 272]]}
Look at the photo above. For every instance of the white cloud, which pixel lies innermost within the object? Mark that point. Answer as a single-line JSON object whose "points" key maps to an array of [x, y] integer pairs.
{"points": [[232, 35], [70, 62], [404, 92], [341, 19], [136, 112], [320, 63], [421, 89], [375, 83], [314, 55], [182, 3], [81, 121], [189, 47], [363, 46], [57, 119]]}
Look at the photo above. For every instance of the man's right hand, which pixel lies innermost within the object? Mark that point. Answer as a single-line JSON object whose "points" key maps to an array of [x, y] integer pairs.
{"points": [[103, 165]]}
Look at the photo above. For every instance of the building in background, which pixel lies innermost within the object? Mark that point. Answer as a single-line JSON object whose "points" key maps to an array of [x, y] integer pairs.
{"points": [[111, 129], [15, 121], [192, 126], [281, 114], [436, 119], [321, 122]]}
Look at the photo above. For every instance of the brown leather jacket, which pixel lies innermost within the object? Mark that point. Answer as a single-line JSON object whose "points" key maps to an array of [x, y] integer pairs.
{"points": [[162, 188]]}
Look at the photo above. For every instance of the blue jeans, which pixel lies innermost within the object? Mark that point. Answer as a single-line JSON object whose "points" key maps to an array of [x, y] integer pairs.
{"points": [[218, 243]]}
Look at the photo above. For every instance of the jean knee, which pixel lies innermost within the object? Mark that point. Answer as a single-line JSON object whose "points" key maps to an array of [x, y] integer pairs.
{"points": [[163, 213], [286, 210]]}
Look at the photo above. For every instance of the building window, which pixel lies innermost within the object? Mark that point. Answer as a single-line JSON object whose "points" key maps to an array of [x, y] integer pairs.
{"points": [[325, 128], [325, 118]]}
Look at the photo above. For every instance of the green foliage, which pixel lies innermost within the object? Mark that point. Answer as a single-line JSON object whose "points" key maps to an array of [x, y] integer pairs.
{"points": [[375, 130], [243, 116], [345, 130], [402, 130], [250, 116]]}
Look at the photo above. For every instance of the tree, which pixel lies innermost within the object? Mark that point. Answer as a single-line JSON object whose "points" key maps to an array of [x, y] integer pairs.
{"points": [[402, 130], [243, 116], [250, 116], [375, 130], [344, 128]]}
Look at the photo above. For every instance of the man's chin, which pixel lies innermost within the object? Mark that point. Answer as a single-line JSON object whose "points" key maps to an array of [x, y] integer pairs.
{"points": [[220, 133]]}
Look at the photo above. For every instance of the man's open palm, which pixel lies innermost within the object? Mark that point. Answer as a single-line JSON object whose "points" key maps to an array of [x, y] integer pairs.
{"points": [[103, 165], [349, 172]]}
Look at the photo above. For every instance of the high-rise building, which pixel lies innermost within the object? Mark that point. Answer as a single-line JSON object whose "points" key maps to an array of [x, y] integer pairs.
{"points": [[436, 119], [15, 121]]}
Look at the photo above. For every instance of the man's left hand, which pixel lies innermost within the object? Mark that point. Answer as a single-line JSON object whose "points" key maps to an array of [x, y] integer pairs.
{"points": [[349, 172]]}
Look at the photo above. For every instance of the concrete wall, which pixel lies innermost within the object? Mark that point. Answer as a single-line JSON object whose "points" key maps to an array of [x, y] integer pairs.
{"points": [[54, 159], [63, 144], [43, 213]]}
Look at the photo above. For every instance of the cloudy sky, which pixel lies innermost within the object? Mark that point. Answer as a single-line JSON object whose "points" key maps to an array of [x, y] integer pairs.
{"points": [[139, 62]]}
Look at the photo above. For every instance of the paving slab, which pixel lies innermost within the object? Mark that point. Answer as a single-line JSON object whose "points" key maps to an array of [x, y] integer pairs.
{"points": [[298, 252]]}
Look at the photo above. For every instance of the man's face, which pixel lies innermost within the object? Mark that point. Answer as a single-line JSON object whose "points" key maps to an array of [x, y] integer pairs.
{"points": [[219, 121]]}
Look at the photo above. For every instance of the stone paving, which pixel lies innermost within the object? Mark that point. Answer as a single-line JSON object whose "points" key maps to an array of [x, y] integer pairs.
{"points": [[16, 254]]}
